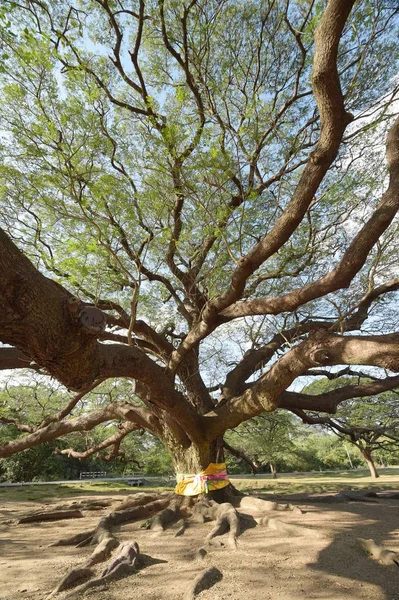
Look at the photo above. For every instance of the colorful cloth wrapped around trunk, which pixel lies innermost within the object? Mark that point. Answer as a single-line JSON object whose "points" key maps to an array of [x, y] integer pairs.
{"points": [[214, 477]]}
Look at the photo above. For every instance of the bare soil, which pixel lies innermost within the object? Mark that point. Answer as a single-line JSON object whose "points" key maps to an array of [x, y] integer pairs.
{"points": [[325, 561]]}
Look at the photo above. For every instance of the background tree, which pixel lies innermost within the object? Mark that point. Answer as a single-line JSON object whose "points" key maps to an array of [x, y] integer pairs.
{"points": [[26, 406], [193, 199], [263, 441], [371, 425]]}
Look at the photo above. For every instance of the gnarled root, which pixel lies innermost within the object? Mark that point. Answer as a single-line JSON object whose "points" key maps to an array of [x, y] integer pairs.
{"points": [[258, 504], [159, 511], [128, 555], [135, 507], [75, 540], [69, 579], [102, 551], [51, 515], [287, 528], [181, 527], [204, 510], [226, 520], [164, 518], [385, 557], [204, 581], [121, 566]]}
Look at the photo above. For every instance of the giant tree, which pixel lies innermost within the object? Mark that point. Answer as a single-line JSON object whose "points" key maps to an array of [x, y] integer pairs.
{"points": [[196, 198]]}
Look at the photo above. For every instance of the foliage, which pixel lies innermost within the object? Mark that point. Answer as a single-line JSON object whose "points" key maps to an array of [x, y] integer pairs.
{"points": [[370, 425], [267, 439], [36, 464]]}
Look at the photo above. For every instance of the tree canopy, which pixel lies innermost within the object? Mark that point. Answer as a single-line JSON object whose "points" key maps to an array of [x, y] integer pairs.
{"points": [[199, 198], [370, 425]]}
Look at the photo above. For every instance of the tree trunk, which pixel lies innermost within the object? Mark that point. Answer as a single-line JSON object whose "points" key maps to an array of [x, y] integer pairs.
{"points": [[273, 471], [366, 453], [196, 458]]}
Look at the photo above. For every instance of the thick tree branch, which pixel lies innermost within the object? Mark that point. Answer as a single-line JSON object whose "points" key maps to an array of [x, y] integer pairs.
{"points": [[137, 416], [352, 260], [329, 401], [18, 425], [240, 454], [113, 440], [34, 305], [255, 359], [334, 119], [64, 412], [319, 349], [56, 430], [12, 358]]}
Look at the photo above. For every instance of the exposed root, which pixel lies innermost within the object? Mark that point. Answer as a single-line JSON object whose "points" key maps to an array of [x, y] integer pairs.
{"points": [[286, 528], [204, 510], [204, 581], [128, 555], [134, 513], [258, 504], [160, 511], [385, 557], [181, 527], [129, 511], [166, 517], [226, 520], [64, 511], [85, 505], [121, 566], [69, 579], [102, 551], [347, 496], [134, 508], [140, 499], [51, 515], [75, 540]]}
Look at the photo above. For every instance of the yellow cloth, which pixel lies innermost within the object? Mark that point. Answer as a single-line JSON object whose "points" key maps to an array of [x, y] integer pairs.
{"points": [[214, 477]]}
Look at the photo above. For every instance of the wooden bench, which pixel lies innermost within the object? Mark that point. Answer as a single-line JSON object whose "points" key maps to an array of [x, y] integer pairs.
{"points": [[136, 479], [92, 474]]}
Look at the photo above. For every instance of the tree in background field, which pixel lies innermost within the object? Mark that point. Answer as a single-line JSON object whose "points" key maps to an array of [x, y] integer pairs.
{"points": [[263, 441], [27, 405], [284, 444], [372, 425], [199, 205]]}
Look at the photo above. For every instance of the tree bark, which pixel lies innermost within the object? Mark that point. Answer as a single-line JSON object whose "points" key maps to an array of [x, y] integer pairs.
{"points": [[196, 458], [273, 471], [366, 453]]}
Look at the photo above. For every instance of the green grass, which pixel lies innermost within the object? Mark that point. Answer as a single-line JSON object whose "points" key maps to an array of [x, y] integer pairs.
{"points": [[41, 493], [291, 483], [294, 483]]}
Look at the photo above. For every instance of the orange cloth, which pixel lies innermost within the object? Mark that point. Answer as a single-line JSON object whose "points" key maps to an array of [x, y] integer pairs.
{"points": [[214, 477]]}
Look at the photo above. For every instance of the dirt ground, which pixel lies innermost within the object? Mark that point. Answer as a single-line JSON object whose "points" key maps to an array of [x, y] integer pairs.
{"points": [[326, 562]]}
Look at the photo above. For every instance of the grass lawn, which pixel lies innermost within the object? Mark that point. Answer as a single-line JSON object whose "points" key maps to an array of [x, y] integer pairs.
{"points": [[333, 481], [289, 483]]}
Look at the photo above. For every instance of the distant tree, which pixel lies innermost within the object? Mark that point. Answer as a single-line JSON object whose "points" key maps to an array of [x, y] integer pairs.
{"points": [[38, 464], [263, 441], [324, 451], [370, 425], [25, 408]]}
